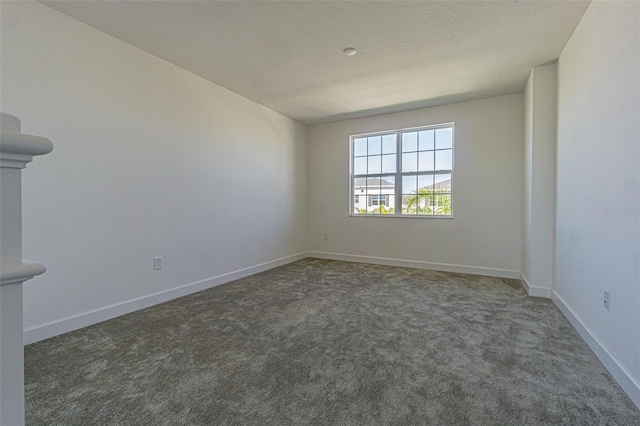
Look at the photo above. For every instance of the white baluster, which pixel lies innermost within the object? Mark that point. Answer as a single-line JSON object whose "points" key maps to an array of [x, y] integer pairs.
{"points": [[16, 150]]}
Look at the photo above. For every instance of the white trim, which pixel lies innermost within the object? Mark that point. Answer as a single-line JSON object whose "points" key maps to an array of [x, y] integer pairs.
{"points": [[534, 291], [445, 267], [624, 378], [399, 173], [18, 149], [85, 319], [405, 216], [20, 272], [405, 129]]}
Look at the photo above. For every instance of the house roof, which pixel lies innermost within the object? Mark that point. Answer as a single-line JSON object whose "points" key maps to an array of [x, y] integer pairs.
{"points": [[445, 184], [362, 182]]}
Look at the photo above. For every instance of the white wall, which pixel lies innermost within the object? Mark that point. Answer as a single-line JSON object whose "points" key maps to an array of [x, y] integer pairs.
{"points": [[149, 160], [598, 187], [540, 119], [525, 261], [485, 234]]}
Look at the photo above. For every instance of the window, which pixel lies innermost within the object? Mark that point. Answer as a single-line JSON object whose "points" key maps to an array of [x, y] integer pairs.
{"points": [[377, 200], [403, 172]]}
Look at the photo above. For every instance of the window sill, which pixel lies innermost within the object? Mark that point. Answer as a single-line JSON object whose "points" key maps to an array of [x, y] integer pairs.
{"points": [[406, 216]]}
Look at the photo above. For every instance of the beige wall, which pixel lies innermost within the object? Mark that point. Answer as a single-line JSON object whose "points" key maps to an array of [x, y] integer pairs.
{"points": [[484, 235]]}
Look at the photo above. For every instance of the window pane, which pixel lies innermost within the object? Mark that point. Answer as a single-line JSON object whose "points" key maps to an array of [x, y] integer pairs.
{"points": [[443, 181], [375, 145], [444, 160], [389, 163], [409, 184], [375, 207], [372, 203], [360, 147], [375, 164], [373, 185], [409, 141], [425, 182], [387, 182], [359, 204], [389, 144], [410, 162], [359, 187], [406, 208], [425, 161], [442, 205], [373, 192], [410, 197], [444, 138], [360, 166], [424, 200], [387, 190], [426, 139], [386, 203]]}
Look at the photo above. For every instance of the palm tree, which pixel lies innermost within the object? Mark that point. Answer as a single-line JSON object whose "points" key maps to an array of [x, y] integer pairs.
{"points": [[430, 200], [383, 210], [378, 210]]}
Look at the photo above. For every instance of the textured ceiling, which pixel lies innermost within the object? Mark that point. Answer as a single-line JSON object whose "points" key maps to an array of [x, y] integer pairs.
{"points": [[287, 55]]}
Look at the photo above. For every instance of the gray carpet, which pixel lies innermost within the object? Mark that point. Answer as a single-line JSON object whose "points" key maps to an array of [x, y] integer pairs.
{"points": [[324, 342]]}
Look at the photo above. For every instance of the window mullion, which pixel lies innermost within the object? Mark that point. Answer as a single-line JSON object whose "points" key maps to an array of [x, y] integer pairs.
{"points": [[365, 157], [398, 186]]}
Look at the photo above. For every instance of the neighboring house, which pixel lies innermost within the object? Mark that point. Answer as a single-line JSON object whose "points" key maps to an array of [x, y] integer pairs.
{"points": [[371, 193]]}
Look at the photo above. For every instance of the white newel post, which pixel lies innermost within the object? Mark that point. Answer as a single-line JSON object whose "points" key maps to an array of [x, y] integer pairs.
{"points": [[16, 150]]}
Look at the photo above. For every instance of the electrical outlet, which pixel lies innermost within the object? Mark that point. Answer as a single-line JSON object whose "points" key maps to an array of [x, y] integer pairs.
{"points": [[326, 237], [157, 263], [607, 300]]}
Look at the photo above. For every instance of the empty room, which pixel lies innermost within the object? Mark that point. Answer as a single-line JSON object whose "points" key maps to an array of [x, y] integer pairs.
{"points": [[320, 212]]}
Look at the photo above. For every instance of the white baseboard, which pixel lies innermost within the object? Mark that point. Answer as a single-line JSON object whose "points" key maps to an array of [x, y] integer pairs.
{"points": [[85, 319], [44, 331], [626, 381], [445, 267], [535, 291]]}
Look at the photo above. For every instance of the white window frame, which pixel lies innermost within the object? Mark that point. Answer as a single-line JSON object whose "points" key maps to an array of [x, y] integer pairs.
{"points": [[399, 174]]}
